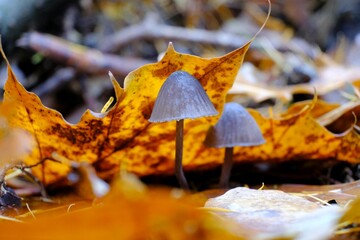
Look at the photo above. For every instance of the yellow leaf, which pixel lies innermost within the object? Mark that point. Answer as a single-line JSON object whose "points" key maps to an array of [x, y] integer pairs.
{"points": [[300, 136], [157, 214], [15, 143], [320, 108], [123, 136]]}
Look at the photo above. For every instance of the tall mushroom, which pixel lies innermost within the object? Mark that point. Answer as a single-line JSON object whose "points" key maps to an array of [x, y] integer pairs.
{"points": [[181, 97], [236, 127]]}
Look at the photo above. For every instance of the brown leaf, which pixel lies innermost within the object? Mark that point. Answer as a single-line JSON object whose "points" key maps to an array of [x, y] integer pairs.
{"points": [[156, 214], [272, 214], [123, 136], [15, 143]]}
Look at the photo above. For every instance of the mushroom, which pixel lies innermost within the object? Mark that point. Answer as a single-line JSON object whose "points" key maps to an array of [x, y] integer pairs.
{"points": [[236, 127], [181, 97]]}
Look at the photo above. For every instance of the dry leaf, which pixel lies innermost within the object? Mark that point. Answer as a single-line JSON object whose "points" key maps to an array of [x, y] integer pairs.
{"points": [[156, 214], [262, 210], [123, 136], [272, 214], [342, 118], [331, 77], [341, 193], [15, 143], [319, 108], [300, 137], [352, 215]]}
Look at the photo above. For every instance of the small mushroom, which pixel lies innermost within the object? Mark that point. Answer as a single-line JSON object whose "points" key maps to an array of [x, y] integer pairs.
{"points": [[236, 127], [181, 97]]}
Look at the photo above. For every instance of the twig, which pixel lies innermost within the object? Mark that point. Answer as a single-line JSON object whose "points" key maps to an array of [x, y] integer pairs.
{"points": [[4, 169], [69, 207], [82, 58], [36, 180], [2, 217], [59, 78], [41, 162], [151, 28], [31, 212]]}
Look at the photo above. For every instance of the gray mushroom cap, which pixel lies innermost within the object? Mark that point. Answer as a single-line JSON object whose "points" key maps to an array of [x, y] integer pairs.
{"points": [[236, 127], [181, 97]]}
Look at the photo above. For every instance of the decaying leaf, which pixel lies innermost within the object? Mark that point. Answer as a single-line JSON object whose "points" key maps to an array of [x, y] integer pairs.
{"points": [[15, 143], [262, 210], [272, 214], [300, 136], [342, 118], [352, 215], [331, 77], [153, 214], [319, 108], [123, 136]]}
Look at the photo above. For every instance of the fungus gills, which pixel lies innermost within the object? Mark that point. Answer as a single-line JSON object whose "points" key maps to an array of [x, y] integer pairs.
{"points": [[181, 97], [236, 127]]}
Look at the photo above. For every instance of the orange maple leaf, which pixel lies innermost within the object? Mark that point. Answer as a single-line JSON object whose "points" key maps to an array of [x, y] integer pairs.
{"points": [[123, 136]]}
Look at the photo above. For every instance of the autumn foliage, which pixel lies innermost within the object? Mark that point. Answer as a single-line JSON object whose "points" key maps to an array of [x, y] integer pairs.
{"points": [[123, 138], [60, 180]]}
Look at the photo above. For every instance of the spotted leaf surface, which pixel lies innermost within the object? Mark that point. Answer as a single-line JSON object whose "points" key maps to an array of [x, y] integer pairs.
{"points": [[123, 137]]}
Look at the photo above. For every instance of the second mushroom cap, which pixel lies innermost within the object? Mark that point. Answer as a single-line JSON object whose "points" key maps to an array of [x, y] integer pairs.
{"points": [[236, 127]]}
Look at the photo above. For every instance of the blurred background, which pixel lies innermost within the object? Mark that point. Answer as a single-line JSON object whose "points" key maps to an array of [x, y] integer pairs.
{"points": [[63, 49]]}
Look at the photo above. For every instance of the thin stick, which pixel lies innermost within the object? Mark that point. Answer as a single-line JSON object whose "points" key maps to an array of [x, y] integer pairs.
{"points": [[36, 180], [179, 172], [226, 168], [152, 28], [71, 205], [84, 59], [9, 219], [31, 212]]}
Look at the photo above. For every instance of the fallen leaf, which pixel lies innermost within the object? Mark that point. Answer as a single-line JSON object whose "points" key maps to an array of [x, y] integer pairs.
{"points": [[262, 210], [300, 136], [155, 214], [319, 108], [343, 193], [331, 77], [258, 92], [15, 143], [352, 215], [123, 136], [341, 118], [272, 214], [293, 137]]}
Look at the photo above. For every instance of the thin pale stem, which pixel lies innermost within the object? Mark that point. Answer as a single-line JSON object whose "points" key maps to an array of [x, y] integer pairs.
{"points": [[179, 172], [226, 168], [36, 180], [4, 169]]}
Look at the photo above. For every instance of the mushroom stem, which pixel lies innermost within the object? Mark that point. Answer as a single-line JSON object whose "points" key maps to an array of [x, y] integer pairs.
{"points": [[179, 172], [226, 168]]}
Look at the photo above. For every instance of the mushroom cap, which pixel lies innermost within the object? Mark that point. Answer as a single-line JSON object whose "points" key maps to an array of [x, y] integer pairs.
{"points": [[180, 97], [236, 127]]}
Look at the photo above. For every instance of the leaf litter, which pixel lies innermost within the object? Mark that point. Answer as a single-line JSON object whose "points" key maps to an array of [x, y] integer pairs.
{"points": [[167, 213]]}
